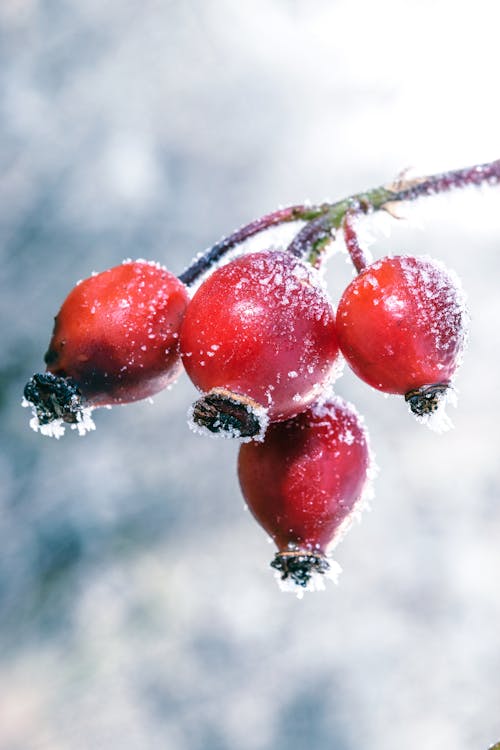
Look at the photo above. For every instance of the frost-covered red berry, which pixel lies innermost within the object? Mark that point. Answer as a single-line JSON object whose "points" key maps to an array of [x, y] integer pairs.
{"points": [[115, 340], [259, 340], [402, 327], [303, 484]]}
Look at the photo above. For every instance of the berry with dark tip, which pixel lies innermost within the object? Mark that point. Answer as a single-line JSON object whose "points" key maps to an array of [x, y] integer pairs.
{"points": [[259, 341], [303, 484], [115, 340], [402, 326]]}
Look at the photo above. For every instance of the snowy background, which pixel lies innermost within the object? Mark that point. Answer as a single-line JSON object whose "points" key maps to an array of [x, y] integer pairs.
{"points": [[137, 607]]}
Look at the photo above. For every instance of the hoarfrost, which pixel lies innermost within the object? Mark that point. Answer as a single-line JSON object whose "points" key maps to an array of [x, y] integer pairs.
{"points": [[329, 407], [348, 437], [315, 583], [143, 261], [441, 285], [439, 421], [84, 423], [394, 304], [56, 428]]}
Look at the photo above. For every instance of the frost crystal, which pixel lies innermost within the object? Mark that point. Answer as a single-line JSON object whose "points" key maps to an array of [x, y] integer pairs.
{"points": [[56, 428], [84, 422], [329, 407], [439, 421], [316, 581]]}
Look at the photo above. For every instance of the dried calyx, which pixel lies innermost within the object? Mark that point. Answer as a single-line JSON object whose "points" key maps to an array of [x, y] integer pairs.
{"points": [[425, 400], [221, 411], [53, 397], [300, 565]]}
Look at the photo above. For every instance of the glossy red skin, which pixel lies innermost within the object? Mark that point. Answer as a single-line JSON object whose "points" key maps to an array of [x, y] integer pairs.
{"points": [[117, 333], [304, 479], [401, 324], [246, 332]]}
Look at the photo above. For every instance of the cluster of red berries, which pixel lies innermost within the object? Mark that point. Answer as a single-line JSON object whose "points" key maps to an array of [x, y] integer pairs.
{"points": [[263, 344]]}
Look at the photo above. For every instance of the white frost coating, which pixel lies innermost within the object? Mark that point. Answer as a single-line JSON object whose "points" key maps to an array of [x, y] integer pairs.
{"points": [[328, 408], [363, 505], [439, 421], [393, 304], [336, 372], [348, 437], [84, 422], [153, 263], [54, 429], [315, 583], [57, 427], [438, 280], [274, 238]]}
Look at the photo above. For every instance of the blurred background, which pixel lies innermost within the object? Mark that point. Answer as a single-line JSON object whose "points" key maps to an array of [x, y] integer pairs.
{"points": [[137, 606]]}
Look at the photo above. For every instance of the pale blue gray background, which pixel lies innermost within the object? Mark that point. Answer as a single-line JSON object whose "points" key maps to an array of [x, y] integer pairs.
{"points": [[137, 608]]}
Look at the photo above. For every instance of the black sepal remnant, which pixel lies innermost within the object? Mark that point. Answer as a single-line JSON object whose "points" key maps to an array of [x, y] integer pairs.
{"points": [[300, 565], [425, 400], [221, 411], [54, 397]]}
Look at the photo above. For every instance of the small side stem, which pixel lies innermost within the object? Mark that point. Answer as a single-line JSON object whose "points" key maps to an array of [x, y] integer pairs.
{"points": [[325, 219], [387, 197], [357, 253], [478, 174], [313, 239]]}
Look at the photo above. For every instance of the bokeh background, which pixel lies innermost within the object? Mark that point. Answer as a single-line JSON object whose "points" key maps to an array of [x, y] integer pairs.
{"points": [[137, 607]]}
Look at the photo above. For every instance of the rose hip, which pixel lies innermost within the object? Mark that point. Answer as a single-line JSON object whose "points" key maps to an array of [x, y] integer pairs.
{"points": [[259, 341], [304, 482], [402, 327], [115, 340]]}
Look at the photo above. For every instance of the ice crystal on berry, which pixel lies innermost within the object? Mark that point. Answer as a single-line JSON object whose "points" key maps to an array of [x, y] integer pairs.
{"points": [[437, 419], [57, 427]]}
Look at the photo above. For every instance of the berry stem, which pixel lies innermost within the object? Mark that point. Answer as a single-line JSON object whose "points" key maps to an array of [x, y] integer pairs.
{"points": [[385, 198], [358, 255], [325, 219], [204, 262]]}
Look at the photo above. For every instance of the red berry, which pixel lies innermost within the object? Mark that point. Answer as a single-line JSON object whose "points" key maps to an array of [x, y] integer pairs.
{"points": [[258, 338], [115, 340], [402, 326], [303, 483]]}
